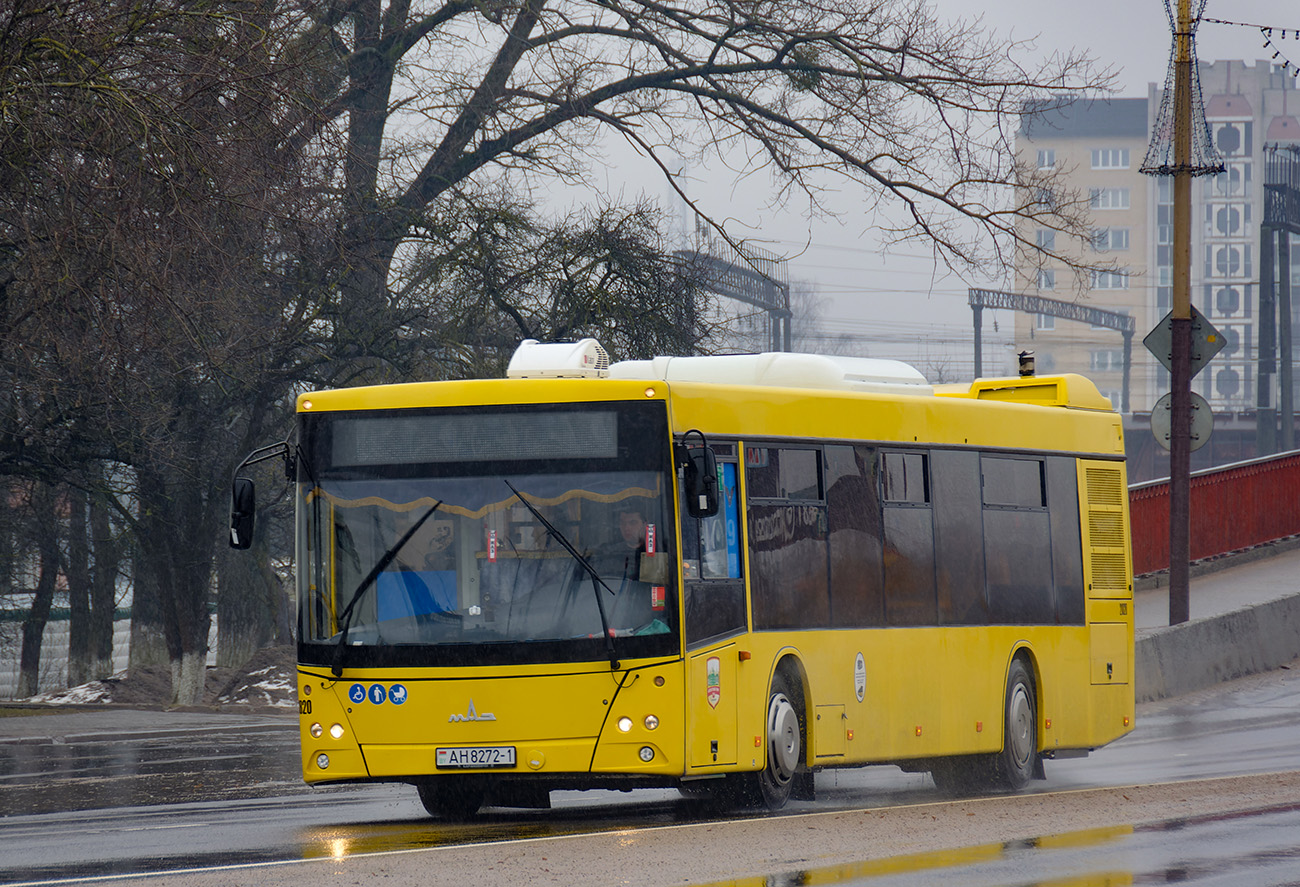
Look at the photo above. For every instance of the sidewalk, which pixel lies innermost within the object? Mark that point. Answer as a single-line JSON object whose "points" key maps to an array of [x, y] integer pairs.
{"points": [[1260, 576]]}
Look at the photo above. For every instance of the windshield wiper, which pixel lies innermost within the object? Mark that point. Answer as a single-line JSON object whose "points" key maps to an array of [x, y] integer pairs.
{"points": [[380, 565], [582, 562]]}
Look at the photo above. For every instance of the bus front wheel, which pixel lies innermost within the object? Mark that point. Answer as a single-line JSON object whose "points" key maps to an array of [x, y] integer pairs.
{"points": [[783, 731], [453, 798]]}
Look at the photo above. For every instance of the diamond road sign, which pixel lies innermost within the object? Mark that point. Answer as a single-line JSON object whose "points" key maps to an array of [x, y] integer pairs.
{"points": [[1206, 341]]}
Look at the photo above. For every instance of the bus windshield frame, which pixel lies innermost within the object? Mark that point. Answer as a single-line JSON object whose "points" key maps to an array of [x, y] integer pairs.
{"points": [[471, 574]]}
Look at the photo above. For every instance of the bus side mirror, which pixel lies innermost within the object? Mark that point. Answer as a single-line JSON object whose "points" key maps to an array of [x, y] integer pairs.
{"points": [[243, 505], [700, 478]]}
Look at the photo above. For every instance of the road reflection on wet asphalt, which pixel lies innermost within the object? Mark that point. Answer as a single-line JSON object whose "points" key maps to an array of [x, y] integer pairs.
{"points": [[62, 775]]}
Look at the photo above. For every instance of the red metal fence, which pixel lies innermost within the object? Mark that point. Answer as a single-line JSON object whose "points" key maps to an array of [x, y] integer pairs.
{"points": [[1233, 507]]}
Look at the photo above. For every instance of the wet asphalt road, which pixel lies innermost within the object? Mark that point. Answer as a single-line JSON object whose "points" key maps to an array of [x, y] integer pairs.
{"points": [[125, 796]]}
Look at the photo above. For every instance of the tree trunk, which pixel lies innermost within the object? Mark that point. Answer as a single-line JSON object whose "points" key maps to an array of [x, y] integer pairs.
{"points": [[247, 603], [45, 530], [189, 675], [79, 670], [176, 542], [148, 645], [103, 591]]}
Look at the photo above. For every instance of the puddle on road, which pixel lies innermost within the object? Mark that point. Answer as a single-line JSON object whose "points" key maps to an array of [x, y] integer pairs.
{"points": [[914, 863]]}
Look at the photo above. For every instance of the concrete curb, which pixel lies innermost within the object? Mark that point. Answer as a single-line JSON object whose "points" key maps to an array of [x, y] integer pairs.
{"points": [[1199, 654]]}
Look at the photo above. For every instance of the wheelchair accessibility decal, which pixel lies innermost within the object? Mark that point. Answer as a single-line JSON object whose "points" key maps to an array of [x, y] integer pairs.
{"points": [[377, 694]]}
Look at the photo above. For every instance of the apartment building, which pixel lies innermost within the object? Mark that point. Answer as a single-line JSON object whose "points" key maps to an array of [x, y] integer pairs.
{"points": [[1097, 148], [1094, 148]]}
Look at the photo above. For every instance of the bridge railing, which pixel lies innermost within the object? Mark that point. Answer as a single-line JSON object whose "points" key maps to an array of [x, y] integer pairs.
{"points": [[1233, 507]]}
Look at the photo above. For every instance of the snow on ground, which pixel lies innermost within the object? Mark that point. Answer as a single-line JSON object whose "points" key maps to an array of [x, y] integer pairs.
{"points": [[267, 680]]}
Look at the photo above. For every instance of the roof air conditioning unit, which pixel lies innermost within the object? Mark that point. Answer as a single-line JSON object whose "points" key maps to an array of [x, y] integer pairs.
{"points": [[584, 359]]}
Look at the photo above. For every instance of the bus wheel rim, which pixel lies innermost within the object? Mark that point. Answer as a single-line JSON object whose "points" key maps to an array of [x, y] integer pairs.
{"points": [[783, 737], [1020, 726]]}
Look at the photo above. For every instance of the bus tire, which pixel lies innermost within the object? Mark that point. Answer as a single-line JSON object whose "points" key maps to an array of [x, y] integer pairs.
{"points": [[453, 798], [1014, 766], [784, 734]]}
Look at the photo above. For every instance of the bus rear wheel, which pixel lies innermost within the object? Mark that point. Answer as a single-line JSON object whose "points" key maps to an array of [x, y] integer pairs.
{"points": [[453, 798], [1013, 767]]}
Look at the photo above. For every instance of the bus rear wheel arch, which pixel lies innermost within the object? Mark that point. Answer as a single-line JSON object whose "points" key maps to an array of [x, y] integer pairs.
{"points": [[1018, 762]]}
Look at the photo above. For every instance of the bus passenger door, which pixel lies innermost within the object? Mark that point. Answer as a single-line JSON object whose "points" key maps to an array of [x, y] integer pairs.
{"points": [[711, 707], [715, 614]]}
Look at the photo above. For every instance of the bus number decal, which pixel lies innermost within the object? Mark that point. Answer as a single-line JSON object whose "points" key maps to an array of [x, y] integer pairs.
{"points": [[304, 706]]}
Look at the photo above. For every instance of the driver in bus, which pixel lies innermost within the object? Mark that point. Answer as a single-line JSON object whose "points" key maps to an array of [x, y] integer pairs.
{"points": [[635, 604]]}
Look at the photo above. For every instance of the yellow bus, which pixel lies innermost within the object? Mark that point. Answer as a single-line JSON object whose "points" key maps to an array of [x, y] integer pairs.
{"points": [[720, 574]]}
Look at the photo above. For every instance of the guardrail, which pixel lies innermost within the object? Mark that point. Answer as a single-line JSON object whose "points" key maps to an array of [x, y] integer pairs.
{"points": [[1233, 507]]}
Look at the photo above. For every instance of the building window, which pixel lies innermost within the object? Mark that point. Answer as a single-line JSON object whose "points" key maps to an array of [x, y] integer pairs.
{"points": [[1109, 239], [1227, 261], [1110, 158], [1046, 158], [1108, 198], [1228, 181], [1110, 280], [1045, 238], [1046, 279], [1105, 359], [1044, 322]]}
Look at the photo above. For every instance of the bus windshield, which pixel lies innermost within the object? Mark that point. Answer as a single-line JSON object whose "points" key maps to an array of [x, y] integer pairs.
{"points": [[470, 568]]}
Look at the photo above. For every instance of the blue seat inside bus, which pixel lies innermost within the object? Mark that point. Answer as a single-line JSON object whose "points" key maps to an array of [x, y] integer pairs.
{"points": [[409, 593]]}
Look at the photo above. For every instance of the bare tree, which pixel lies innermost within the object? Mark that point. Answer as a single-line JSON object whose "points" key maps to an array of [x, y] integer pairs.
{"points": [[912, 110], [492, 272], [146, 192]]}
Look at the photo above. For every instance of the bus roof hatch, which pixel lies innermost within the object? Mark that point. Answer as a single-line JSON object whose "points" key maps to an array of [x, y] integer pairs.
{"points": [[782, 369]]}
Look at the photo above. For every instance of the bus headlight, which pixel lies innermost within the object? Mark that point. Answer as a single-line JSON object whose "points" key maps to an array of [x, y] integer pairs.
{"points": [[651, 722], [315, 730], [336, 730], [323, 761], [624, 724], [647, 753]]}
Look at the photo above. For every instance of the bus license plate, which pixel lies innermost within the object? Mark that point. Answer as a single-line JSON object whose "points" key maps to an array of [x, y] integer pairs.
{"points": [[476, 756]]}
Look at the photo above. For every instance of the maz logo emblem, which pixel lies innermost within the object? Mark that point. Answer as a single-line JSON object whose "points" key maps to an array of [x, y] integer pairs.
{"points": [[472, 715]]}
